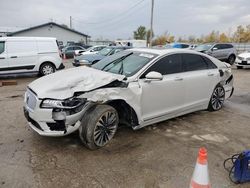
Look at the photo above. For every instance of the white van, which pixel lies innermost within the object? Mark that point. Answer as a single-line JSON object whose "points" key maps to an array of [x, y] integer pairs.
{"points": [[29, 55]]}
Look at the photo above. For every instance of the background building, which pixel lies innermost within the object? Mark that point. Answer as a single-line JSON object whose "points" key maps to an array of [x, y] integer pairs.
{"points": [[62, 33]]}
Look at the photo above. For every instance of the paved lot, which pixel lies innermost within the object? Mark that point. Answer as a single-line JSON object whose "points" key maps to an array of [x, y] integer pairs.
{"points": [[155, 156]]}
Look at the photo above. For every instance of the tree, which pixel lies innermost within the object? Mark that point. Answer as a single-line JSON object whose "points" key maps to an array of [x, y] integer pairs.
{"points": [[223, 38], [140, 33]]}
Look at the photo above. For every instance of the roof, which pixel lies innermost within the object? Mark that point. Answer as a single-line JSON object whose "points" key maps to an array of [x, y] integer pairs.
{"points": [[26, 38], [163, 51], [47, 24]]}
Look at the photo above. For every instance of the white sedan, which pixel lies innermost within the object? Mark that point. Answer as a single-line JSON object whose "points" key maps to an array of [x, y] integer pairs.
{"points": [[136, 87], [243, 60], [91, 50]]}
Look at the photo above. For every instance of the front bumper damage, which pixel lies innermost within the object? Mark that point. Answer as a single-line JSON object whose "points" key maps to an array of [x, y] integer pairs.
{"points": [[45, 124]]}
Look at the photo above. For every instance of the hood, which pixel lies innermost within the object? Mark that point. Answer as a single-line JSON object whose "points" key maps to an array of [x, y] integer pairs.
{"points": [[90, 57], [63, 84], [245, 55]]}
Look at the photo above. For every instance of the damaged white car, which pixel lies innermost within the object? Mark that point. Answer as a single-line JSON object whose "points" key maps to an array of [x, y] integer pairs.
{"points": [[136, 87]]}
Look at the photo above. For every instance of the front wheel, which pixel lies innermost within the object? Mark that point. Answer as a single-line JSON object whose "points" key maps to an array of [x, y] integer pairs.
{"points": [[46, 69], [98, 126], [217, 99]]}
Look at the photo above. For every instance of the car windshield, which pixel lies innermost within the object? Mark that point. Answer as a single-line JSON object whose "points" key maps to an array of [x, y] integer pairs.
{"points": [[203, 47], [126, 63], [105, 51]]}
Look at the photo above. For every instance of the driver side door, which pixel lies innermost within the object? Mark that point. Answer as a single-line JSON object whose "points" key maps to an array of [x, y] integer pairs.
{"points": [[162, 99]]}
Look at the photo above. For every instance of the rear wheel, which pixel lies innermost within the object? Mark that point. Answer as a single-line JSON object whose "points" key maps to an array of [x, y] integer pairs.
{"points": [[46, 69], [217, 99], [231, 59], [99, 126]]}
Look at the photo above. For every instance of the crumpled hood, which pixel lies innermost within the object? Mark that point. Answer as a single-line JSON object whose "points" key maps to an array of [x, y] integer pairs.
{"points": [[63, 84], [245, 55], [90, 57]]}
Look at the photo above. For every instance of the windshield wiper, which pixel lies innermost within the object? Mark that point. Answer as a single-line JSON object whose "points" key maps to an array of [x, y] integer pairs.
{"points": [[116, 61]]}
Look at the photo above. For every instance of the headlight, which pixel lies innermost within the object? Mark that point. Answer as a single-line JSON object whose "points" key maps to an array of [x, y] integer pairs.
{"points": [[63, 104]]}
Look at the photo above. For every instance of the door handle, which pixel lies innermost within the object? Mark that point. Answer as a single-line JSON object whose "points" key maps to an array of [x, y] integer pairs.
{"points": [[13, 57], [178, 79], [210, 74], [2, 57]]}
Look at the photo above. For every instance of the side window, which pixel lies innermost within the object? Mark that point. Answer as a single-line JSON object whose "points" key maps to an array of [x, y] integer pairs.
{"points": [[210, 64], [226, 46], [2, 47], [167, 65], [219, 46], [193, 62], [184, 46], [70, 48]]}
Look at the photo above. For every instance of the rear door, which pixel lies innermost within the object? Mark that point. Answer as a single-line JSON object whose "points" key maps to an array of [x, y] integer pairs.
{"points": [[3, 57], [22, 55], [198, 80]]}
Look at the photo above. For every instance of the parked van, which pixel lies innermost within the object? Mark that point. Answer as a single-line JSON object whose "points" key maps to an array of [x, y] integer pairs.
{"points": [[29, 55]]}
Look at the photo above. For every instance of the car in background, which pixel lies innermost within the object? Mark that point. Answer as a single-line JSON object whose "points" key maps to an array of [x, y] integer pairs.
{"points": [[90, 59], [243, 60], [69, 51], [91, 50], [180, 45], [29, 55], [136, 87], [222, 51]]}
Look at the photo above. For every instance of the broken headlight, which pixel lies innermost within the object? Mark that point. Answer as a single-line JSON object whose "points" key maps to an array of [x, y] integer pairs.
{"points": [[71, 103]]}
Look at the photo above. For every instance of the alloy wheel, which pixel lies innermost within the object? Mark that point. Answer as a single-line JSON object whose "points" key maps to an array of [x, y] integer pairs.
{"points": [[47, 69], [218, 98], [105, 128]]}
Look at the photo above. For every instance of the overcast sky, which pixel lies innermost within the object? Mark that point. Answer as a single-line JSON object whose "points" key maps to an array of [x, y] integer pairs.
{"points": [[114, 19]]}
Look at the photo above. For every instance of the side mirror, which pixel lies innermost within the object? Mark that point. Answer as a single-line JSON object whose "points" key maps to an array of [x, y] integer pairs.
{"points": [[153, 76], [92, 50], [214, 49]]}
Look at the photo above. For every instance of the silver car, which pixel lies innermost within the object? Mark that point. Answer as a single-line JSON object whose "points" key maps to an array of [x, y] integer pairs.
{"points": [[222, 51]]}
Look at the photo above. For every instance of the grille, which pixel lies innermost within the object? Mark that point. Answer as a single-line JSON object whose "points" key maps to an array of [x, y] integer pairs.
{"points": [[30, 99]]}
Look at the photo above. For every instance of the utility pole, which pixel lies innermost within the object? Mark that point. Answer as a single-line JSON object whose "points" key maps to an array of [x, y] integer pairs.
{"points": [[70, 22], [151, 24]]}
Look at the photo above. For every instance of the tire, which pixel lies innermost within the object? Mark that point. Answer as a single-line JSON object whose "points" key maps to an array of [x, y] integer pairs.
{"points": [[46, 69], [98, 126], [217, 99], [239, 67], [231, 59]]}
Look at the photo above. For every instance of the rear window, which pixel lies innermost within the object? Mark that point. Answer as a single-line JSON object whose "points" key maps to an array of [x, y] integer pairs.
{"points": [[2, 46]]}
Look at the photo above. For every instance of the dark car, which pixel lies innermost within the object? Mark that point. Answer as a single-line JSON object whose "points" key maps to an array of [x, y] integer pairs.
{"points": [[69, 51], [94, 58]]}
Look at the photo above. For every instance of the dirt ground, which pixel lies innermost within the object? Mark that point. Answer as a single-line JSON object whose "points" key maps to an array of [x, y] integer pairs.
{"points": [[161, 155]]}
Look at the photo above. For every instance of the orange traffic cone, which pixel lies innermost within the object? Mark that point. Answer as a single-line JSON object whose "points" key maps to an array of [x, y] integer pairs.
{"points": [[200, 177]]}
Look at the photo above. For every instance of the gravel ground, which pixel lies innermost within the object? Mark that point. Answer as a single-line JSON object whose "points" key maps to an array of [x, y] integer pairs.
{"points": [[161, 155]]}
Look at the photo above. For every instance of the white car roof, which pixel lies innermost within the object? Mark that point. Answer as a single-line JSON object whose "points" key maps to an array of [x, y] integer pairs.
{"points": [[163, 51]]}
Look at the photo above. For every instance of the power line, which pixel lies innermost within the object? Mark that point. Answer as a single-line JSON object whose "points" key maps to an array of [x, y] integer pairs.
{"points": [[117, 22], [114, 17]]}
